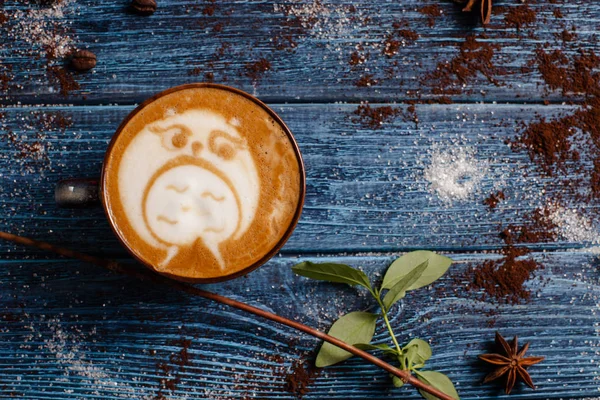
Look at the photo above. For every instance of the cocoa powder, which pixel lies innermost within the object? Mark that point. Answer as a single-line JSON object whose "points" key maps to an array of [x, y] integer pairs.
{"points": [[374, 118], [475, 59], [432, 12], [62, 78], [493, 199], [520, 16], [503, 280], [301, 376], [255, 70]]}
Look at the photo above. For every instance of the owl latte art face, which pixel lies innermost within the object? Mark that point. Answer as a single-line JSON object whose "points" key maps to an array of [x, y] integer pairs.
{"points": [[202, 183]]}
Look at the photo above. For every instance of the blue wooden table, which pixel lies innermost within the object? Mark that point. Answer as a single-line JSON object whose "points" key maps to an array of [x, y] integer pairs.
{"points": [[72, 330]]}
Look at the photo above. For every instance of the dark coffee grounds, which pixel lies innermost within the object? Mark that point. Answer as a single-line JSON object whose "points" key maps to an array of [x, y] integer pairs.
{"points": [[554, 145], [536, 228], [400, 37]]}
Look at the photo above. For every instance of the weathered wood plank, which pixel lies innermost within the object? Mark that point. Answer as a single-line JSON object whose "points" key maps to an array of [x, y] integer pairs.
{"points": [[74, 331], [181, 42], [366, 188]]}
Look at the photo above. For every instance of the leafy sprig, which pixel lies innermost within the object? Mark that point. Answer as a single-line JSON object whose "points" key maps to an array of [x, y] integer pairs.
{"points": [[409, 272]]}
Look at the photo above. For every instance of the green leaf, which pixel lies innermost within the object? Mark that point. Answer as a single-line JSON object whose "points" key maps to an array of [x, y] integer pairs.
{"points": [[423, 350], [438, 381], [339, 273], [384, 347], [355, 327], [397, 381], [436, 267], [411, 355], [398, 291]]}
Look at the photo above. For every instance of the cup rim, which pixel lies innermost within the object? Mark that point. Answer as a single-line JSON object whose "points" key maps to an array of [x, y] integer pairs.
{"points": [[291, 227]]}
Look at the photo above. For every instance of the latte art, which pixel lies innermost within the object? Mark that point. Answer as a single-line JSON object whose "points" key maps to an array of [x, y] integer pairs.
{"points": [[200, 182], [203, 185]]}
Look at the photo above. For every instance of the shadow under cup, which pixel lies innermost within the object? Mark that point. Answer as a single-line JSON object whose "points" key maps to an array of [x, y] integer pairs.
{"points": [[202, 183]]}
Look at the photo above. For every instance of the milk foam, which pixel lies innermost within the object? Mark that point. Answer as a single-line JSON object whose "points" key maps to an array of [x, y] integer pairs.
{"points": [[189, 177]]}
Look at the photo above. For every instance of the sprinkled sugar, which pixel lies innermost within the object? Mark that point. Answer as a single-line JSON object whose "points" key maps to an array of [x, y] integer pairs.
{"points": [[454, 173], [572, 226]]}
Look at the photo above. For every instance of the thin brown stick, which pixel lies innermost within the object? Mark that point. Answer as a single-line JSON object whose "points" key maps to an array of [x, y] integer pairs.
{"points": [[147, 275]]}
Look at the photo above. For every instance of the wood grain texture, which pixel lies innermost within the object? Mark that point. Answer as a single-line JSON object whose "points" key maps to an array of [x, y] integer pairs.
{"points": [[72, 331], [366, 188], [138, 57], [75, 331]]}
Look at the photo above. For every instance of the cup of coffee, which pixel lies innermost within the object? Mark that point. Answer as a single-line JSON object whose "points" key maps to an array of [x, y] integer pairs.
{"points": [[201, 182]]}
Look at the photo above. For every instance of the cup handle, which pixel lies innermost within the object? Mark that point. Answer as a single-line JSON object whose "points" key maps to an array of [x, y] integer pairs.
{"points": [[77, 193]]}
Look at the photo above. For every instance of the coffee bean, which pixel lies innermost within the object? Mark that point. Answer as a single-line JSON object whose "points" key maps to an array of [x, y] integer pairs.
{"points": [[144, 7], [83, 60]]}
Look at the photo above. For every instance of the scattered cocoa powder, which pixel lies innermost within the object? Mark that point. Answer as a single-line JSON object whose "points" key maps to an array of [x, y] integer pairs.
{"points": [[366, 80], [255, 70], [302, 374], [474, 58], [576, 75], [408, 34], [503, 280], [60, 76], [169, 377], [520, 16], [432, 12], [566, 36], [357, 58], [557, 13], [537, 227], [5, 77], [374, 118], [493, 199], [391, 46]]}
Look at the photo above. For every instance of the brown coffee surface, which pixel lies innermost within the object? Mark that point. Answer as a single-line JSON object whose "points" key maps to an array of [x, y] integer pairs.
{"points": [[249, 166]]}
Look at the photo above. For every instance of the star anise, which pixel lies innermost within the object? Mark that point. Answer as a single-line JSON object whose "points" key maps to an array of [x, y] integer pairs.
{"points": [[512, 363], [486, 8]]}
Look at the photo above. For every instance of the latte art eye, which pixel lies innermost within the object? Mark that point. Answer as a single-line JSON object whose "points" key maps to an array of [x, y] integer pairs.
{"points": [[225, 151], [224, 145], [179, 140], [173, 137]]}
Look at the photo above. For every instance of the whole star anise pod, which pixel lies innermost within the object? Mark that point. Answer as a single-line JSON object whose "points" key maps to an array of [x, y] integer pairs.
{"points": [[512, 363], [486, 8]]}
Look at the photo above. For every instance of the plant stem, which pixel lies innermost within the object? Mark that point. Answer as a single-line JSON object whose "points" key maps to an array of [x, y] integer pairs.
{"points": [[148, 276], [387, 321]]}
